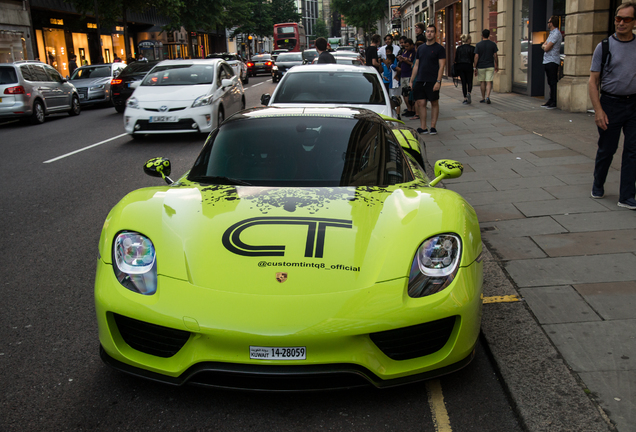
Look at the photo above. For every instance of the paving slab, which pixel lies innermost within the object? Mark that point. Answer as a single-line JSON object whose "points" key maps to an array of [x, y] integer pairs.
{"points": [[525, 147], [615, 391], [596, 346], [522, 227], [556, 153], [558, 172], [495, 212], [560, 161], [525, 183], [483, 175], [573, 270], [468, 187], [587, 243], [487, 151], [558, 304], [560, 207], [611, 300], [587, 177], [601, 221], [512, 248], [577, 190], [506, 196]]}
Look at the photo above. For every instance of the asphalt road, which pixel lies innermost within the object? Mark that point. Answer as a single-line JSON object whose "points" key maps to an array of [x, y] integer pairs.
{"points": [[51, 376]]}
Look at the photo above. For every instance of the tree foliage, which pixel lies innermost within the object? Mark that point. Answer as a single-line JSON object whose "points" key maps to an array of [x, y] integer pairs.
{"points": [[320, 29], [362, 14], [284, 11]]}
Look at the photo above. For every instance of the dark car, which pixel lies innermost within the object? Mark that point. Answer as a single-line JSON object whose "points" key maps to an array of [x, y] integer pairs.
{"points": [[261, 63], [120, 86], [277, 52], [309, 55], [284, 62]]}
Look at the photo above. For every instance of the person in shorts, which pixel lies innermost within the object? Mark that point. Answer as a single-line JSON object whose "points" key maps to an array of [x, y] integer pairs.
{"points": [[406, 60], [426, 79], [486, 64]]}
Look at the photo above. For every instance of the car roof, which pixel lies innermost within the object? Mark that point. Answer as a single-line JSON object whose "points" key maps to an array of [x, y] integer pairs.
{"points": [[332, 67], [286, 112], [189, 61]]}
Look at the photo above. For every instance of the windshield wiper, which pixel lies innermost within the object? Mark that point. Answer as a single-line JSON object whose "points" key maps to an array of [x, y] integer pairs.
{"points": [[217, 179]]}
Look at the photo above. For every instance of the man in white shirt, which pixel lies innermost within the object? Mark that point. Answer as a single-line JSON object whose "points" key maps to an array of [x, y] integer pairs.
{"points": [[552, 59]]}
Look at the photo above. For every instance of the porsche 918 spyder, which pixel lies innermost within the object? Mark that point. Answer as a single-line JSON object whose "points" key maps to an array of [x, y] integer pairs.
{"points": [[305, 249]]}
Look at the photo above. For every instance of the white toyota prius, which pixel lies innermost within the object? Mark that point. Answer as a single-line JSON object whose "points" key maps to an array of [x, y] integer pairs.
{"points": [[183, 96]]}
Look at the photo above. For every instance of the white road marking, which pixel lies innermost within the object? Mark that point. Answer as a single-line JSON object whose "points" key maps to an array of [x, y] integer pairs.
{"points": [[85, 148]]}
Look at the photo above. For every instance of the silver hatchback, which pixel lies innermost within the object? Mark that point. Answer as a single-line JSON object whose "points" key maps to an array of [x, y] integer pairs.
{"points": [[33, 90]]}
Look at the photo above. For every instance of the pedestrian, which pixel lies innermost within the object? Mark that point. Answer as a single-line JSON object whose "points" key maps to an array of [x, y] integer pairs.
{"points": [[324, 56], [406, 60], [430, 59], [72, 64], [388, 41], [552, 59], [389, 77], [420, 28], [371, 53], [615, 109], [464, 59], [486, 64]]}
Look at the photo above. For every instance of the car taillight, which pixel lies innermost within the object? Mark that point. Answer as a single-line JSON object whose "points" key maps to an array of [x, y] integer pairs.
{"points": [[116, 81], [268, 63], [250, 64], [14, 90]]}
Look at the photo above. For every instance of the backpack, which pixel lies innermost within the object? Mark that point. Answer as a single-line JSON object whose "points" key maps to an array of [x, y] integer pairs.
{"points": [[606, 56]]}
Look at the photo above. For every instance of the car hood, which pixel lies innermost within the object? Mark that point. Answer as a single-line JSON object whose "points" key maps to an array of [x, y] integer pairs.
{"points": [[170, 93], [289, 64], [380, 109], [90, 82], [236, 238]]}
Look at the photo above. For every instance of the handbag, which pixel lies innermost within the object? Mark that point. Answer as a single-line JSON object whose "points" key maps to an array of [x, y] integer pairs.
{"points": [[453, 72]]}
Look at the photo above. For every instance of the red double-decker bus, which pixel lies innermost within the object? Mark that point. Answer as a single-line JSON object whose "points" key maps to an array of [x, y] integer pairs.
{"points": [[290, 36]]}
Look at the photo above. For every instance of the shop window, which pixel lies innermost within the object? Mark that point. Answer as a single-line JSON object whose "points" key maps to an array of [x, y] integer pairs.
{"points": [[55, 50], [107, 48], [80, 44], [522, 42], [440, 23]]}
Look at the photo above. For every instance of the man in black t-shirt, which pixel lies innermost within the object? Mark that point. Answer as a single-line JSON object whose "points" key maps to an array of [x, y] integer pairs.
{"points": [[371, 52], [486, 64], [323, 55], [430, 59], [420, 28]]}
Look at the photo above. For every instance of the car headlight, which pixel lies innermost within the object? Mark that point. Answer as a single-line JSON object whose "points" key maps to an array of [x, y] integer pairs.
{"points": [[98, 87], [132, 102], [274, 67], [135, 262], [202, 100], [435, 265]]}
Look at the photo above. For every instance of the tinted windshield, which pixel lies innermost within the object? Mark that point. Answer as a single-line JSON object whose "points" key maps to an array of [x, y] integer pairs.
{"points": [[137, 68], [226, 57], [289, 57], [261, 57], [91, 72], [331, 87], [180, 75], [8, 75], [302, 151], [310, 55]]}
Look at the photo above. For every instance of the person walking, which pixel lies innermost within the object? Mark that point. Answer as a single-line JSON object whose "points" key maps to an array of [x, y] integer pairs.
{"points": [[552, 59], [420, 28], [464, 58], [485, 64], [72, 64], [430, 59], [324, 57], [406, 60], [615, 108], [388, 41], [371, 53]]}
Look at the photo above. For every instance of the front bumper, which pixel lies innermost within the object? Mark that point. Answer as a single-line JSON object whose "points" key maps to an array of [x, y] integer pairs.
{"points": [[342, 333], [92, 97], [190, 120]]}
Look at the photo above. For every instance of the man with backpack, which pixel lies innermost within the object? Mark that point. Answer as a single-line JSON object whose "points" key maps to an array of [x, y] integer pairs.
{"points": [[614, 72]]}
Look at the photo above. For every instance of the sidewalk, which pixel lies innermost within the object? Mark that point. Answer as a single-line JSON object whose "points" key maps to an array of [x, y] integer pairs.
{"points": [[568, 347]]}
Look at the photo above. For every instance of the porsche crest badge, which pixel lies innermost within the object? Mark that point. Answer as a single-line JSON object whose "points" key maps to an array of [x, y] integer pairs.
{"points": [[281, 277]]}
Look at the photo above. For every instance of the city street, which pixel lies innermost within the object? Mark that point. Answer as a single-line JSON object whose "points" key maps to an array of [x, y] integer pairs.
{"points": [[60, 180]]}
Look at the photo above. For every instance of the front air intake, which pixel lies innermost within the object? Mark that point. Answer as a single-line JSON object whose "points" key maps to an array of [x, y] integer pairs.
{"points": [[151, 338]]}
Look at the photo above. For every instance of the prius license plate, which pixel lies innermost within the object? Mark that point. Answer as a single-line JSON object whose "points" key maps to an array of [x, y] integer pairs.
{"points": [[278, 353], [164, 119]]}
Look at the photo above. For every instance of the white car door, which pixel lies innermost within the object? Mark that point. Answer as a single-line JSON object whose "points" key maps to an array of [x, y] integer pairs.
{"points": [[232, 93]]}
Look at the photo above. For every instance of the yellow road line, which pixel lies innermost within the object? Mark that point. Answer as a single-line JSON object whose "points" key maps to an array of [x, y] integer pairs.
{"points": [[501, 299], [438, 408]]}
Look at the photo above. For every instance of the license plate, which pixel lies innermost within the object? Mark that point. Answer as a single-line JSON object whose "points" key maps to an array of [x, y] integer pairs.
{"points": [[81, 96], [278, 353], [258, 64], [164, 119]]}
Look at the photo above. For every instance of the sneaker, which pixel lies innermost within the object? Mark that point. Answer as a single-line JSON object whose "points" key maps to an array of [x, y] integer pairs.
{"points": [[405, 112], [628, 204], [465, 102], [545, 105], [482, 101], [409, 114], [422, 131], [597, 192], [469, 99], [551, 106], [433, 131], [488, 101]]}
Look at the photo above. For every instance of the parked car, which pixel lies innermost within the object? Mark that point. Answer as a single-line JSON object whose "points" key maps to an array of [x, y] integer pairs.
{"points": [[331, 85], [284, 62], [183, 96], [306, 249], [93, 82], [120, 87], [309, 55], [32, 90], [261, 63], [236, 62]]}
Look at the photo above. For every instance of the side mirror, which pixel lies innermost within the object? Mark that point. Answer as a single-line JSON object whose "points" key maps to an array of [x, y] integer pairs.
{"points": [[135, 84], [116, 73], [158, 167], [446, 168], [226, 83], [265, 99]]}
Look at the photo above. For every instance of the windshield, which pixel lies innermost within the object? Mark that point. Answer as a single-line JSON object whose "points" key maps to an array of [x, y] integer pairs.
{"points": [[309, 55], [300, 150], [289, 57], [331, 87], [91, 72], [180, 75], [262, 57], [348, 61], [226, 57], [137, 68]]}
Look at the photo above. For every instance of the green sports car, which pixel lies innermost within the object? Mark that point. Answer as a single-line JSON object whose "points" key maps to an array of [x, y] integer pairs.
{"points": [[305, 249]]}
